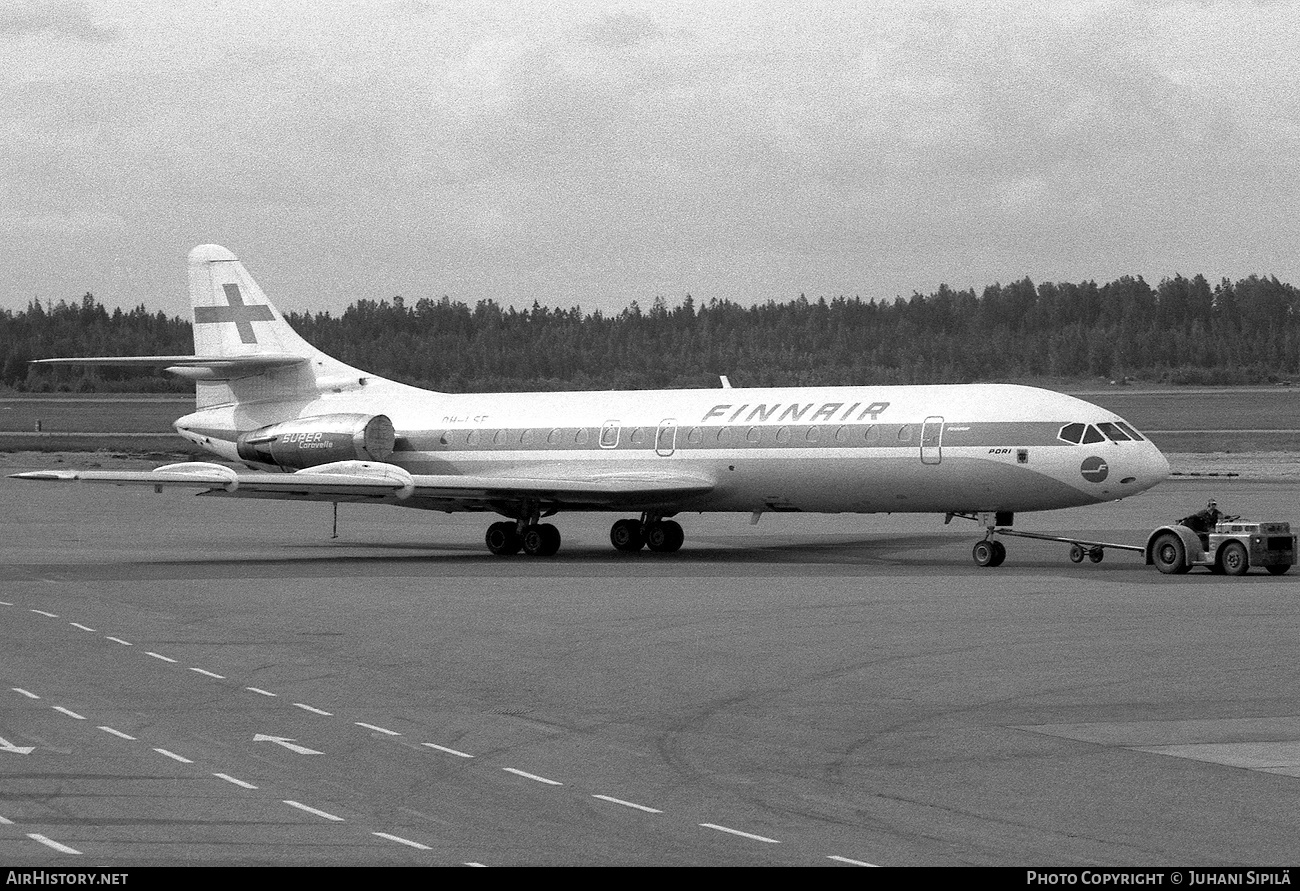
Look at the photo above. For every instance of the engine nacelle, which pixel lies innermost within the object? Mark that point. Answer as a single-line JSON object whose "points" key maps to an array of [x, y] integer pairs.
{"points": [[323, 439]]}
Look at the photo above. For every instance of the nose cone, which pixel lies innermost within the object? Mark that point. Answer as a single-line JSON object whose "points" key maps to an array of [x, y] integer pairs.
{"points": [[1153, 468]]}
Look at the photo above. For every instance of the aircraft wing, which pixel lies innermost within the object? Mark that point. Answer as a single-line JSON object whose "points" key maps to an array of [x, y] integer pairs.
{"points": [[375, 481]]}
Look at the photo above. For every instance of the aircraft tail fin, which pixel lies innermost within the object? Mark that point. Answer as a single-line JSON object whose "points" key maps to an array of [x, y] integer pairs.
{"points": [[245, 348]]}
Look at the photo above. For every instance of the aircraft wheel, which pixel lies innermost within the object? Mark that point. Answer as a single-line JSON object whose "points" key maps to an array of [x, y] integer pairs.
{"points": [[542, 540], [1096, 554], [1169, 555], [502, 539], [1277, 570], [999, 553], [986, 554], [664, 536], [1076, 553], [1234, 558], [626, 536]]}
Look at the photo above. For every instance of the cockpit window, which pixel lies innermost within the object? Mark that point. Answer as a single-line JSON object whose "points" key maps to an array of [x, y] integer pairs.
{"points": [[1071, 433], [1091, 435], [1113, 433], [1133, 434]]}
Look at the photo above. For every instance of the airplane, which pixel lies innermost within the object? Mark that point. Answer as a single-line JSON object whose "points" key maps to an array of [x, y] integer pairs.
{"points": [[308, 427]]}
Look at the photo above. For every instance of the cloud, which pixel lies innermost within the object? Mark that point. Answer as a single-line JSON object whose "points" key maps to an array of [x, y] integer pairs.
{"points": [[63, 18]]}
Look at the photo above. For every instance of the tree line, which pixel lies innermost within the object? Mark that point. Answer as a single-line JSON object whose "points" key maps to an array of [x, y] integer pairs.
{"points": [[1182, 331]]}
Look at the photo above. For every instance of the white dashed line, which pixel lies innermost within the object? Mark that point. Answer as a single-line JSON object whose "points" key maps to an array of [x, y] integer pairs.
{"points": [[640, 807], [179, 758], [116, 733], [5, 603], [125, 643], [69, 712], [447, 750], [27, 693], [48, 842], [402, 841], [229, 779], [377, 729], [3, 821], [259, 690], [770, 841], [314, 711], [158, 656], [312, 810], [82, 627], [41, 612], [850, 862], [532, 776], [220, 677]]}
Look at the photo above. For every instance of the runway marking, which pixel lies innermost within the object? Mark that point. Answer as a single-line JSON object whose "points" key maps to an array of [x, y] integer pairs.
{"points": [[125, 643], [474, 863], [447, 750], [220, 677], [4, 822], [640, 807], [158, 656], [532, 776], [229, 779], [82, 627], [317, 711], [259, 690], [770, 841], [69, 712], [402, 841], [51, 843], [180, 758], [26, 693], [377, 729], [850, 862], [117, 733], [5, 603], [41, 612], [287, 743], [7, 746], [312, 810]]}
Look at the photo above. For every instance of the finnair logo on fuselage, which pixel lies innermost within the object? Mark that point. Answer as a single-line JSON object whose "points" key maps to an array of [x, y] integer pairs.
{"points": [[794, 412], [236, 311]]}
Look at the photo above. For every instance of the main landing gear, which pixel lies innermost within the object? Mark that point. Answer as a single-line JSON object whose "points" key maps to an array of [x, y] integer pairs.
{"points": [[534, 539], [661, 536]]}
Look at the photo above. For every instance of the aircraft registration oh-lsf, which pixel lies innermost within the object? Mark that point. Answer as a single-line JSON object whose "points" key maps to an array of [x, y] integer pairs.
{"points": [[308, 427]]}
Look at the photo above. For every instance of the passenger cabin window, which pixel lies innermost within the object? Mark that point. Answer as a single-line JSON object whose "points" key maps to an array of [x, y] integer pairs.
{"points": [[783, 435], [905, 433], [695, 436], [753, 434], [1113, 433], [638, 436], [580, 437]]}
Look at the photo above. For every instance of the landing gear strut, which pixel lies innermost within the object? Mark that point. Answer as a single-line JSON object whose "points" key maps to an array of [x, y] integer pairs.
{"points": [[660, 535]]}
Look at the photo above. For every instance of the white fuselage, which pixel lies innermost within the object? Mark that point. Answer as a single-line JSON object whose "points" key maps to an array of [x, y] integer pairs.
{"points": [[948, 448]]}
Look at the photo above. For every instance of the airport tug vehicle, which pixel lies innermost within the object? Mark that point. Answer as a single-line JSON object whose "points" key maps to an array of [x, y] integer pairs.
{"points": [[1231, 546], [1227, 545]]}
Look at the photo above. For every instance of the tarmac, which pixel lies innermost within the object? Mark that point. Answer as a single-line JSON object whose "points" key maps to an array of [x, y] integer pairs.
{"points": [[213, 681]]}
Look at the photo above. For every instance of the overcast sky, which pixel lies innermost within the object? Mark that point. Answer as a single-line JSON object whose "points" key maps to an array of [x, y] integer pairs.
{"points": [[599, 153]]}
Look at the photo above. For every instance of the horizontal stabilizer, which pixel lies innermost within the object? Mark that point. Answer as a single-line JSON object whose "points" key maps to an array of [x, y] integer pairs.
{"points": [[258, 362]]}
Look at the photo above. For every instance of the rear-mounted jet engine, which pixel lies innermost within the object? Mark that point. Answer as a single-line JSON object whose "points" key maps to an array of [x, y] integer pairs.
{"points": [[323, 439]]}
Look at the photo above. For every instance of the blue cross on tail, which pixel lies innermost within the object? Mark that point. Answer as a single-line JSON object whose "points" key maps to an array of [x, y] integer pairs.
{"points": [[236, 312]]}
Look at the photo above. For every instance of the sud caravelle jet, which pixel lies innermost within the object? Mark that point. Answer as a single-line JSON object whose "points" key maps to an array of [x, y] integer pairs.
{"points": [[312, 428]]}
